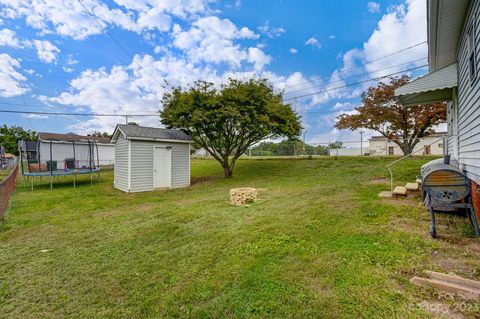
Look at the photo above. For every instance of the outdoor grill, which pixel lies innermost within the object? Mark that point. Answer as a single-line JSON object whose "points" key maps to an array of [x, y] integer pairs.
{"points": [[446, 188]]}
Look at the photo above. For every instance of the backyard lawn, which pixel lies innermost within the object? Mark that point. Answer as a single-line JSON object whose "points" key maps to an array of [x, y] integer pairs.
{"points": [[318, 243]]}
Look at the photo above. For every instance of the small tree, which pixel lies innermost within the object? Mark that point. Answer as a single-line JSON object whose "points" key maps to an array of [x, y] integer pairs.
{"points": [[383, 112], [9, 137], [335, 145], [229, 120]]}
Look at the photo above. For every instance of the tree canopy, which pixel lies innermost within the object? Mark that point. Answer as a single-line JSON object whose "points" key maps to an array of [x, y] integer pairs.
{"points": [[383, 112], [9, 137], [226, 121]]}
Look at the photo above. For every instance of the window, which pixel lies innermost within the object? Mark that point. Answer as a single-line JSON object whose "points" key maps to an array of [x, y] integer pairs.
{"points": [[471, 50]]}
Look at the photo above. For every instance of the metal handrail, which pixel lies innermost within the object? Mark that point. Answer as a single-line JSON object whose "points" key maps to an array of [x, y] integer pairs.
{"points": [[445, 147]]}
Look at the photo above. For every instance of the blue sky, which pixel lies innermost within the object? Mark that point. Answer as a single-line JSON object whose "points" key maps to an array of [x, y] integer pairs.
{"points": [[55, 56]]}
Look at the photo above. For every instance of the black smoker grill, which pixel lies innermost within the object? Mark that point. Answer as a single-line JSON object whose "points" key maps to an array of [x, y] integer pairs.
{"points": [[446, 188]]}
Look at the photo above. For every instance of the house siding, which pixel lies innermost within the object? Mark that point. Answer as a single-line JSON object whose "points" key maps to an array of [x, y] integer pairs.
{"points": [[121, 164], [142, 155], [469, 100], [380, 146], [62, 150]]}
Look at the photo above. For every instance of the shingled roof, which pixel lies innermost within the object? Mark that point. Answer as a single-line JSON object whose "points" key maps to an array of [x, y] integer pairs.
{"points": [[71, 137], [151, 133]]}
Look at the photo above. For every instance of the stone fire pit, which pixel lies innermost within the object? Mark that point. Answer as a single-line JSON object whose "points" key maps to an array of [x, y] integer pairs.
{"points": [[242, 196]]}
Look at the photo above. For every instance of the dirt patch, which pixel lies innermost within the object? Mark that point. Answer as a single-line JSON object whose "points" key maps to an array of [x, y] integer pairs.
{"points": [[106, 213], [203, 179], [440, 309], [401, 201], [378, 180]]}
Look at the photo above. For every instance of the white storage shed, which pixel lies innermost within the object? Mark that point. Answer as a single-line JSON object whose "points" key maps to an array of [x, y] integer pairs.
{"points": [[147, 158]]}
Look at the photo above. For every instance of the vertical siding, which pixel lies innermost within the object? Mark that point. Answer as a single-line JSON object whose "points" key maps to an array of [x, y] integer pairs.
{"points": [[121, 165], [142, 165], [180, 165], [469, 101]]}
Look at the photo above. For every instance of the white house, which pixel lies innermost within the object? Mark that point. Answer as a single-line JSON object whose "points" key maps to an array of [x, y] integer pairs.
{"points": [[454, 62], [348, 151], [70, 145], [147, 158], [429, 145]]}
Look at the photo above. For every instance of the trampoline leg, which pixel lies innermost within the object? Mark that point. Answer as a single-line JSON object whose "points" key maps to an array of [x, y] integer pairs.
{"points": [[91, 180], [74, 184], [33, 179], [433, 226], [51, 182]]}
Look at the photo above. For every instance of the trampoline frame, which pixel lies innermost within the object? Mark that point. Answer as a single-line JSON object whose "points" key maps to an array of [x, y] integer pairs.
{"points": [[29, 177]]}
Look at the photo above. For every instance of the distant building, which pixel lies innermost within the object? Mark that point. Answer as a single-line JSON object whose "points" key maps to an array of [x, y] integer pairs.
{"points": [[65, 147], [429, 145], [348, 151]]}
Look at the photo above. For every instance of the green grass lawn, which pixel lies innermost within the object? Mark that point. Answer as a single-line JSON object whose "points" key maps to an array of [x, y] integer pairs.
{"points": [[318, 243]]}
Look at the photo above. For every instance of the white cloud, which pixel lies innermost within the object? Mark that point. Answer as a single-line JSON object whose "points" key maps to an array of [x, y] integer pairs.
{"points": [[332, 37], [46, 51], [11, 81], [270, 32], [211, 40], [402, 22], [313, 42], [70, 19], [258, 58], [127, 89], [8, 38], [373, 7], [293, 51], [134, 89]]}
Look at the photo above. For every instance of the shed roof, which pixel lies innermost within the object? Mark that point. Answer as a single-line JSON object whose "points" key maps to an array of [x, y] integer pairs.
{"points": [[71, 137], [433, 87], [135, 132]]}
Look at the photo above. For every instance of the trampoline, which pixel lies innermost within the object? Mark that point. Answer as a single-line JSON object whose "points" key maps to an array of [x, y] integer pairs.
{"points": [[55, 158]]}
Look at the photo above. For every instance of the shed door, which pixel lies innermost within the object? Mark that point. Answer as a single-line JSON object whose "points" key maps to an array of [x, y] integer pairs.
{"points": [[162, 167], [391, 150]]}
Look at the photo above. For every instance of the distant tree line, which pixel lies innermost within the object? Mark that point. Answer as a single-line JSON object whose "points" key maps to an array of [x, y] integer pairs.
{"points": [[290, 148], [10, 135]]}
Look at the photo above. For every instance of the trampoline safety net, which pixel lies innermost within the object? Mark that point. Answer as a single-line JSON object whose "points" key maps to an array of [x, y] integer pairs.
{"points": [[44, 158]]}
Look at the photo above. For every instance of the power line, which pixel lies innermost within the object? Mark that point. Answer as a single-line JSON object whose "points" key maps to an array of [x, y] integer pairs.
{"points": [[146, 115], [129, 55], [390, 67], [75, 114], [364, 64], [355, 83]]}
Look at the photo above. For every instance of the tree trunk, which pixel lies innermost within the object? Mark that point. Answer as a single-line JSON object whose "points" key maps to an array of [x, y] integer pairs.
{"points": [[227, 171]]}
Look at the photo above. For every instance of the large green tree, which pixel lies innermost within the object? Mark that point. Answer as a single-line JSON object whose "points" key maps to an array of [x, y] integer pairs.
{"points": [[226, 121], [383, 112], [9, 137]]}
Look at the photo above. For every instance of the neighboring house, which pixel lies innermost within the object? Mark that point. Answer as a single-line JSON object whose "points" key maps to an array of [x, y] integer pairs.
{"points": [[454, 61], [30, 149], [429, 145], [348, 151], [200, 153], [62, 148], [147, 158]]}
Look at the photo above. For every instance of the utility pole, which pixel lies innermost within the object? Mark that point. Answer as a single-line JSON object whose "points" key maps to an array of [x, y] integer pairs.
{"points": [[126, 119], [304, 152], [361, 142]]}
